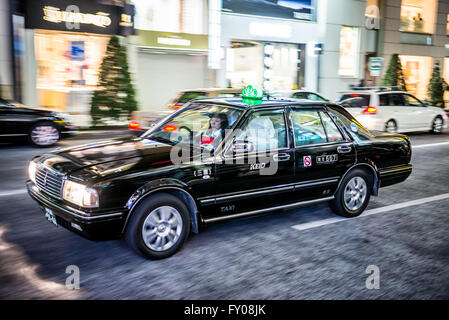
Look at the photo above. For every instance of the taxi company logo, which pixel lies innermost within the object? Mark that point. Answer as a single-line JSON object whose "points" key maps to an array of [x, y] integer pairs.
{"points": [[307, 160], [72, 15]]}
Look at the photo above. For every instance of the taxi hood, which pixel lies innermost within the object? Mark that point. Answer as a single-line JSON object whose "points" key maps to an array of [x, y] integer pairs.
{"points": [[103, 158]]}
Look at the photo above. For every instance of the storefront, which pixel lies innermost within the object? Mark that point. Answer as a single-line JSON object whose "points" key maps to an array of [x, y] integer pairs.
{"points": [[66, 42], [270, 45], [171, 49], [168, 62], [263, 46], [271, 65], [417, 73]]}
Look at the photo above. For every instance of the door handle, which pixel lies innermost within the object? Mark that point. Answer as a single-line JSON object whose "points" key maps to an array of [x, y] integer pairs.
{"points": [[344, 149], [281, 157]]}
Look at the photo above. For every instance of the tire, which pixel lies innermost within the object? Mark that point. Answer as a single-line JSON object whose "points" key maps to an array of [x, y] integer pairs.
{"points": [[44, 134], [340, 206], [437, 125], [391, 126], [144, 229]]}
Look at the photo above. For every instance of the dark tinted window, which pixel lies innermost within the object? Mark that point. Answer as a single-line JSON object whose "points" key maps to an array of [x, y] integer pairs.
{"points": [[383, 100], [412, 101], [395, 99], [354, 103], [365, 98], [190, 95]]}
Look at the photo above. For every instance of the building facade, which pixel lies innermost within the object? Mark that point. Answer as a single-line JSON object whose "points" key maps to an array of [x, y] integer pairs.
{"points": [[6, 71], [417, 30], [170, 50]]}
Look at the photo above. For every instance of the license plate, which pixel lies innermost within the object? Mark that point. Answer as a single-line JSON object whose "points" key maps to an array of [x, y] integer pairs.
{"points": [[50, 216]]}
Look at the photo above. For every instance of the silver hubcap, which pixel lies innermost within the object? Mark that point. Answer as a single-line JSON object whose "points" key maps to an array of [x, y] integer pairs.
{"points": [[437, 125], [391, 126], [355, 193], [162, 228], [44, 135]]}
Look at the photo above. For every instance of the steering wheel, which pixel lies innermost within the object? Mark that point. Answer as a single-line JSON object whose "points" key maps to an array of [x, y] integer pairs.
{"points": [[188, 130]]}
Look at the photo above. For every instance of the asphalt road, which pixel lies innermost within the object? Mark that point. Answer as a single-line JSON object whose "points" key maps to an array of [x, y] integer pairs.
{"points": [[304, 253]]}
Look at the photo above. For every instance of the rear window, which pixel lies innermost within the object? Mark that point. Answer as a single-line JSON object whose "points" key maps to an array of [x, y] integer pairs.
{"points": [[362, 99], [190, 95], [351, 125]]}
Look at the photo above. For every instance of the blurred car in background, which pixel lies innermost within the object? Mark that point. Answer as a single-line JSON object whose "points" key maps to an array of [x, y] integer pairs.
{"points": [[42, 128], [299, 94], [392, 111], [142, 120]]}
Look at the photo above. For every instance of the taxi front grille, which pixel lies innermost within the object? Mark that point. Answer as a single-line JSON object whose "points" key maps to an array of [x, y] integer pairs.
{"points": [[49, 182]]}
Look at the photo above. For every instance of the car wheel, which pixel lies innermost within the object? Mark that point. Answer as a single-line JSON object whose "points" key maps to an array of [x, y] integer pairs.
{"points": [[44, 134], [437, 125], [391, 126], [159, 226], [353, 195]]}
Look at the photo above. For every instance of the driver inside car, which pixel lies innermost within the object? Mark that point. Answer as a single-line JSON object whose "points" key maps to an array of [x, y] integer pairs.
{"points": [[218, 122]]}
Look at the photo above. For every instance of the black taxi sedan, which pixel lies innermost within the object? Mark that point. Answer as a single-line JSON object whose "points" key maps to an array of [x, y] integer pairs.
{"points": [[213, 160], [42, 128]]}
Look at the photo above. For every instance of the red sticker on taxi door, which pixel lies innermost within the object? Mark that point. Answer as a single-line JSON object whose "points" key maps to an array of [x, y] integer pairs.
{"points": [[307, 160]]}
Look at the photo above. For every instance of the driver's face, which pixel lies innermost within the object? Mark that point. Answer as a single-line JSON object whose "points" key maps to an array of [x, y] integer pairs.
{"points": [[215, 123]]}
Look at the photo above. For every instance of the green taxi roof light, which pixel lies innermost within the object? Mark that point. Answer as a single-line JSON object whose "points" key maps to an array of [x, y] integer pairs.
{"points": [[252, 92]]}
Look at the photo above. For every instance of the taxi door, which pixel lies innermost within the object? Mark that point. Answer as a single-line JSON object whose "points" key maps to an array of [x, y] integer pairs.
{"points": [[257, 168], [322, 153]]}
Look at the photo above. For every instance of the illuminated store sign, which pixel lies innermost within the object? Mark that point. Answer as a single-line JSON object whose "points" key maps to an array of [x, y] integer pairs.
{"points": [[79, 16], [100, 19]]}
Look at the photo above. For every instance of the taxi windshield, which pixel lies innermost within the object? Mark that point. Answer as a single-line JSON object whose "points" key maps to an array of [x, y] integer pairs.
{"points": [[201, 125]]}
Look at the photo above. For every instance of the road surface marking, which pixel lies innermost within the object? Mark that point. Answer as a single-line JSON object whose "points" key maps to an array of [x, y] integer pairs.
{"points": [[314, 224], [429, 145], [12, 192]]}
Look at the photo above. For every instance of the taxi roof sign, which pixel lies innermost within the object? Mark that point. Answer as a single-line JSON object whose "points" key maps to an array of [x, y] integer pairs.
{"points": [[252, 92]]}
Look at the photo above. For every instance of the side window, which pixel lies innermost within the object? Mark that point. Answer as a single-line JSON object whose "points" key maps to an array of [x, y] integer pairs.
{"points": [[314, 97], [396, 99], [333, 134], [265, 130], [383, 100], [307, 127], [412, 101], [300, 95]]}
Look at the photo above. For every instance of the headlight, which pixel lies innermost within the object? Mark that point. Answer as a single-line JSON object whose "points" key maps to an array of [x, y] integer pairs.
{"points": [[32, 171], [61, 117], [80, 194]]}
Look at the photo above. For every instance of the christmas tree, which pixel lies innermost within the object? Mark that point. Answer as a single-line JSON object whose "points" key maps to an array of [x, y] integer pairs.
{"points": [[115, 97], [394, 76], [436, 87]]}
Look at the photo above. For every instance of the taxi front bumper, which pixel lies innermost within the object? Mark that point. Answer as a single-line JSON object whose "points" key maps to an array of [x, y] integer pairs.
{"points": [[104, 226]]}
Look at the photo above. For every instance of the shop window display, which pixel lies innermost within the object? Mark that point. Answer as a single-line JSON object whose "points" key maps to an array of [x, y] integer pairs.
{"points": [[418, 16], [67, 68], [417, 72]]}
